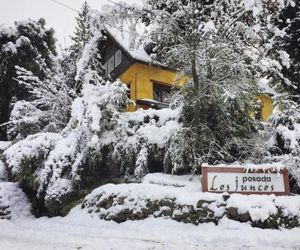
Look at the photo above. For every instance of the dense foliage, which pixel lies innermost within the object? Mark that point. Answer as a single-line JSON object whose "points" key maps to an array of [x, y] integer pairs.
{"points": [[216, 43], [29, 45], [290, 21]]}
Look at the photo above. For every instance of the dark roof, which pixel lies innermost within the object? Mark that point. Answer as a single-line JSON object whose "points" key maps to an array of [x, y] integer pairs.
{"points": [[133, 48]]}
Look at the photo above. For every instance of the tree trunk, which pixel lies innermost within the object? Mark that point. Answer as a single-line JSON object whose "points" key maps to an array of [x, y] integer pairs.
{"points": [[195, 74]]}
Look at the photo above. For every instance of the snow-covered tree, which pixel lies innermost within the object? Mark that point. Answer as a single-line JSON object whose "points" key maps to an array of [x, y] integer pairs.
{"points": [[52, 164], [289, 43], [225, 46], [83, 30], [284, 143], [83, 53], [29, 45], [186, 32], [89, 66], [48, 108]]}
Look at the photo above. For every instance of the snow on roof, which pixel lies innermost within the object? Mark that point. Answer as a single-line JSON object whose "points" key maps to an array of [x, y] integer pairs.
{"points": [[132, 42], [263, 85]]}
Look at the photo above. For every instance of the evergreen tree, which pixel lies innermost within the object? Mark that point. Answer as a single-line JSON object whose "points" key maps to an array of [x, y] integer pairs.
{"points": [[290, 43], [83, 30], [89, 68], [29, 45], [83, 34]]}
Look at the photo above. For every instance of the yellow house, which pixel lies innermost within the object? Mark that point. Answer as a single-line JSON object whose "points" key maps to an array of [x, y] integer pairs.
{"points": [[150, 82], [265, 98]]}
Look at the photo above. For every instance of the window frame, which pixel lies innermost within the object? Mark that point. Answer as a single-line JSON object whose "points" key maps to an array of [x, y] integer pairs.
{"points": [[165, 91], [111, 64], [118, 55]]}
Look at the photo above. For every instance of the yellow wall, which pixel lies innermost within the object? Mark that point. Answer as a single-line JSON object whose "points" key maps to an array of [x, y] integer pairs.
{"points": [[266, 106], [140, 77]]}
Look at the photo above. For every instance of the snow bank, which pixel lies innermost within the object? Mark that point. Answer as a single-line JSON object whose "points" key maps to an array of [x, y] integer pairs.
{"points": [[180, 198], [13, 202], [188, 183], [260, 207], [82, 232]]}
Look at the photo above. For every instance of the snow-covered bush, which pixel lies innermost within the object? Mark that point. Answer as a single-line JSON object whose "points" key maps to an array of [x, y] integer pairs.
{"points": [[287, 137], [216, 127], [24, 160], [4, 145], [48, 109], [138, 143], [284, 145], [51, 164], [95, 111], [99, 139], [29, 154], [25, 119]]}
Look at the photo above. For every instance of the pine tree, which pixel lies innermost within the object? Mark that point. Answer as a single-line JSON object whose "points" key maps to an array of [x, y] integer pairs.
{"points": [[83, 34], [83, 30]]}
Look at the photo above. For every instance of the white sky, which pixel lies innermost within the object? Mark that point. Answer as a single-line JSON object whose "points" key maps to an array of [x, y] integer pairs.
{"points": [[60, 18]]}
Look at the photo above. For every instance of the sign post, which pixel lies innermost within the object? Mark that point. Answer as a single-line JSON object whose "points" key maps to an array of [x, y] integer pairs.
{"points": [[241, 180]]}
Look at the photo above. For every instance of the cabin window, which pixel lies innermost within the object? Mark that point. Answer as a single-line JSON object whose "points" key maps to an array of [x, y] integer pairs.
{"points": [[129, 90], [111, 64], [118, 58], [114, 61], [161, 93]]}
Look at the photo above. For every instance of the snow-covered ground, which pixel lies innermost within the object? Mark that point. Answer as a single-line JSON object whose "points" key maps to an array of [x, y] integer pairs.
{"points": [[76, 232], [80, 230]]}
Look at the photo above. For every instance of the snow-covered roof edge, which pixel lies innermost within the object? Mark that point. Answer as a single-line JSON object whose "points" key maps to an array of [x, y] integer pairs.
{"points": [[134, 49]]}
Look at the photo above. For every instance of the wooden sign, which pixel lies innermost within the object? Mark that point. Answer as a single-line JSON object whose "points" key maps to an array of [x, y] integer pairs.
{"points": [[241, 180]]}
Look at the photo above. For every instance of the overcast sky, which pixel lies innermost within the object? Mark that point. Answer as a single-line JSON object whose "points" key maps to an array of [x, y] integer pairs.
{"points": [[60, 18]]}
